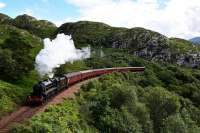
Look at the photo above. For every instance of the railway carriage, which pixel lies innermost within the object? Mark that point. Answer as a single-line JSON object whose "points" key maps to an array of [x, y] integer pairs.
{"points": [[72, 78]]}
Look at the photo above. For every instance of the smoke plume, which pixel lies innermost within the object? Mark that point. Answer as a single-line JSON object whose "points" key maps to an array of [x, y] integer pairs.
{"points": [[57, 52]]}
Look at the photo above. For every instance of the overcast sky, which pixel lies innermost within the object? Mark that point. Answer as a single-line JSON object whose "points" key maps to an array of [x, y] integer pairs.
{"points": [[177, 18]]}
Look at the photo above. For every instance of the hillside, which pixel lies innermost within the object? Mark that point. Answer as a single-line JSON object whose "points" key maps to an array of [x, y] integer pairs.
{"points": [[165, 98], [5, 19], [40, 28], [139, 41]]}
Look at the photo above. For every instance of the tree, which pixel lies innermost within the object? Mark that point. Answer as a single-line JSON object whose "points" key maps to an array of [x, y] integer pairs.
{"points": [[162, 104], [17, 56], [174, 124], [7, 65]]}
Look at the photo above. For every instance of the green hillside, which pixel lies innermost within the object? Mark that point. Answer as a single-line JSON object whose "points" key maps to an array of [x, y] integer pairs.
{"points": [[138, 41], [182, 46], [5, 19], [163, 99], [40, 28], [86, 32]]}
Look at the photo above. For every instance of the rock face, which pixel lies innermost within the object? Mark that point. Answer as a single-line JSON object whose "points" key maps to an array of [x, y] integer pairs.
{"points": [[140, 42], [143, 43]]}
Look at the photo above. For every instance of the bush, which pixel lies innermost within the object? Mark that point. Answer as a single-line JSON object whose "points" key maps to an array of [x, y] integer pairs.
{"points": [[174, 124], [6, 105], [161, 104], [63, 118], [17, 56]]}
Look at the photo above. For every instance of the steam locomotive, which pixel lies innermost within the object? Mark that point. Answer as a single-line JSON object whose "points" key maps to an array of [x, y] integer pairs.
{"points": [[48, 88]]}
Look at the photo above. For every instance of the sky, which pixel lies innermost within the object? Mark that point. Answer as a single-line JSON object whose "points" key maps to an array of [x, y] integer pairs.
{"points": [[173, 18]]}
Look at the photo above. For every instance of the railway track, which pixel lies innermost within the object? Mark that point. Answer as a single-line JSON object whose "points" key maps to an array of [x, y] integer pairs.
{"points": [[26, 112], [20, 115]]}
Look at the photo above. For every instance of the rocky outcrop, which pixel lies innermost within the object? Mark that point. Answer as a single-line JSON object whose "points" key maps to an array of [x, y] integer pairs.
{"points": [[143, 43]]}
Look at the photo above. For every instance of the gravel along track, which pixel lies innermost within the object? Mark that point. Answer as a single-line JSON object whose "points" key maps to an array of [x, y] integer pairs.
{"points": [[25, 112]]}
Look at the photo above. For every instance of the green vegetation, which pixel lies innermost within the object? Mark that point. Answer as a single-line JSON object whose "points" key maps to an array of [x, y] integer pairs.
{"points": [[181, 46], [17, 55], [40, 28], [100, 34], [63, 118], [85, 32], [18, 49], [163, 99], [5, 19], [71, 67], [11, 96]]}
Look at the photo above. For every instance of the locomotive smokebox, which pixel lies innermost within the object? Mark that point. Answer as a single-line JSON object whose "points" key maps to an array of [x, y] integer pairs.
{"points": [[34, 100]]}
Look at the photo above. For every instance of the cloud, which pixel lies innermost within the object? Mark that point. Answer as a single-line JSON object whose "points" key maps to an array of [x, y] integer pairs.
{"points": [[60, 22], [28, 12], [178, 18], [2, 5]]}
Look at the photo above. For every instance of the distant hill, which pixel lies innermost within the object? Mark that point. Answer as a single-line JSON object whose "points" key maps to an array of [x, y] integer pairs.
{"points": [[100, 34], [5, 19], [40, 28], [195, 40]]}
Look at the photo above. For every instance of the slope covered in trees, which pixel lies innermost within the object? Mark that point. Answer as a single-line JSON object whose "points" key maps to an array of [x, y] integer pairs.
{"points": [[163, 99]]}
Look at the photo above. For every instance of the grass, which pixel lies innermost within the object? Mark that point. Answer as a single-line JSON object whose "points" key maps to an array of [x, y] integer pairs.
{"points": [[11, 96]]}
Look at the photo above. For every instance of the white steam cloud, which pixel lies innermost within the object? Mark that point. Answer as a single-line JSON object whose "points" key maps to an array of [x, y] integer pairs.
{"points": [[57, 52]]}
